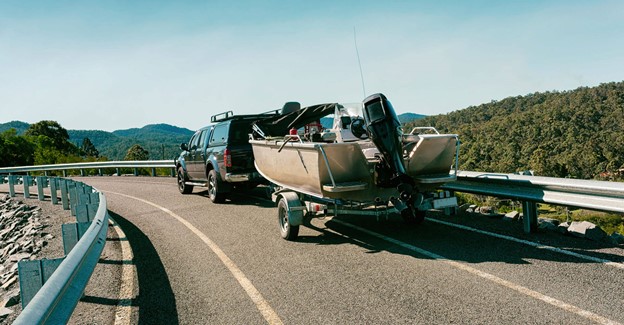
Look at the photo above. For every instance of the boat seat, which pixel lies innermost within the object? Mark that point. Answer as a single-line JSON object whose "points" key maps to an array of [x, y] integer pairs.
{"points": [[290, 107], [345, 187]]}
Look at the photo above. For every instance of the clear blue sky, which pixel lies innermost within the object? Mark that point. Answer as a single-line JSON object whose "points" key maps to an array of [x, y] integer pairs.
{"points": [[120, 64]]}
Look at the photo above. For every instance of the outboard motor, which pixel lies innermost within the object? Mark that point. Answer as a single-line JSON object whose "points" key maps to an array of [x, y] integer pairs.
{"points": [[384, 130]]}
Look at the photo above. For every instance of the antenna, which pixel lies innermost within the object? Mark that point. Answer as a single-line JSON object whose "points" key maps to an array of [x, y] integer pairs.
{"points": [[359, 62]]}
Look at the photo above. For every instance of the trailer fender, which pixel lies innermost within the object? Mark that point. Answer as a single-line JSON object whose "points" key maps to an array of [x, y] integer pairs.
{"points": [[294, 206]]}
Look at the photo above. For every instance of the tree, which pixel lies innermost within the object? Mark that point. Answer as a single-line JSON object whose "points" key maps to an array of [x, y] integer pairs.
{"points": [[136, 152], [89, 149], [15, 150], [59, 138]]}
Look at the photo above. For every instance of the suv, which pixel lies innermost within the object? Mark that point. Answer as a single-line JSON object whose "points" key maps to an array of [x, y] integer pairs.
{"points": [[219, 156]]}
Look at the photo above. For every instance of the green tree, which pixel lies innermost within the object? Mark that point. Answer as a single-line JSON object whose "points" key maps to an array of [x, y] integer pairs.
{"points": [[136, 152], [15, 150], [59, 138], [89, 149]]}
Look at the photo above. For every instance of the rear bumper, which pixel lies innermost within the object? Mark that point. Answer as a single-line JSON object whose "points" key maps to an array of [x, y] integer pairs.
{"points": [[244, 177]]}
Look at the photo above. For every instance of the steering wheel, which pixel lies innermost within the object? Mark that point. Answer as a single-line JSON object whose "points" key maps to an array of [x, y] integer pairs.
{"points": [[357, 128]]}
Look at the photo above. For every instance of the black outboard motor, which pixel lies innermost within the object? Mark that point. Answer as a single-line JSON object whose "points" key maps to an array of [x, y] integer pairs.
{"points": [[384, 130]]}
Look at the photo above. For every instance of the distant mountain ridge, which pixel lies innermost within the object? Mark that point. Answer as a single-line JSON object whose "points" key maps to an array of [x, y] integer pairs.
{"points": [[162, 141]]}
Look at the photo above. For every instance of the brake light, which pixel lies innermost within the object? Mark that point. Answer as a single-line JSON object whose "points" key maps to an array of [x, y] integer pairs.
{"points": [[227, 158]]}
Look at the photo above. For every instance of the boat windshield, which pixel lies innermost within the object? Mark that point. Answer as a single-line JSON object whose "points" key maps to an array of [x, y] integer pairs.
{"points": [[345, 113]]}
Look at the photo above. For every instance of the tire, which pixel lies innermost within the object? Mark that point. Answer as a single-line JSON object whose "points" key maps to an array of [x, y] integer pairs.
{"points": [[182, 186], [213, 188], [287, 231], [413, 217]]}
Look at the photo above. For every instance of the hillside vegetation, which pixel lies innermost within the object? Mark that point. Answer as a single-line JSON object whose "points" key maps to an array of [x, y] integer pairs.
{"points": [[161, 141], [577, 133]]}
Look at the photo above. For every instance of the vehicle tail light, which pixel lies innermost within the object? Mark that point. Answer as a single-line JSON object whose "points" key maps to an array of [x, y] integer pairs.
{"points": [[227, 158]]}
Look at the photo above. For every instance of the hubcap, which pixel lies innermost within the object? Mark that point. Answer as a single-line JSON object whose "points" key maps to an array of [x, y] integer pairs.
{"points": [[211, 189]]}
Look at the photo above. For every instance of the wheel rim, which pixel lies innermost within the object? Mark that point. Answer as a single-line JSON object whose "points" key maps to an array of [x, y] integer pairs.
{"points": [[283, 220], [211, 186], [180, 182]]}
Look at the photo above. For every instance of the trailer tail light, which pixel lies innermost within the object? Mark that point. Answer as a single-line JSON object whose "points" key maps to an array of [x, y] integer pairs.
{"points": [[227, 158]]}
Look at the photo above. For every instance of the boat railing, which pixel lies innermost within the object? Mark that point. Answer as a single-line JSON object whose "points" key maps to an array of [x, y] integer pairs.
{"points": [[289, 138], [331, 176], [423, 128]]}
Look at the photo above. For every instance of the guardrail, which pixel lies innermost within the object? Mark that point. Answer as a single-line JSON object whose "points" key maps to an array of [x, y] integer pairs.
{"points": [[57, 298], [587, 194], [99, 165]]}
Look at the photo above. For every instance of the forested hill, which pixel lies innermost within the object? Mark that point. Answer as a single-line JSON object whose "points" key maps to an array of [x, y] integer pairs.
{"points": [[162, 141], [577, 133]]}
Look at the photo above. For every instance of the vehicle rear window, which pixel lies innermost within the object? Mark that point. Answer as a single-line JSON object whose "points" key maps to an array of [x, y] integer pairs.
{"points": [[239, 132], [219, 135]]}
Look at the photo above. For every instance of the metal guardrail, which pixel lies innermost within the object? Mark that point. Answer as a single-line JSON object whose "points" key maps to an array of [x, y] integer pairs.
{"points": [[587, 194], [56, 300], [93, 165]]}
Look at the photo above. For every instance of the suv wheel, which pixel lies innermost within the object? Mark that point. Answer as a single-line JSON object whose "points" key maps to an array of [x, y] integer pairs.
{"points": [[182, 186], [213, 188]]}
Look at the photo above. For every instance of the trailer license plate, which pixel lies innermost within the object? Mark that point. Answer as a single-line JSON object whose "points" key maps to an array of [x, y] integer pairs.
{"points": [[445, 203]]}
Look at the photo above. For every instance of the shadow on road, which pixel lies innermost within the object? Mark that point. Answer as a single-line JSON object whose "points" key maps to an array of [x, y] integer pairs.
{"points": [[451, 243], [156, 301]]}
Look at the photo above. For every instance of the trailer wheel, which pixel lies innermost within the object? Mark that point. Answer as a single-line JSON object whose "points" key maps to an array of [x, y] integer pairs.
{"points": [[413, 217], [182, 186], [287, 231]]}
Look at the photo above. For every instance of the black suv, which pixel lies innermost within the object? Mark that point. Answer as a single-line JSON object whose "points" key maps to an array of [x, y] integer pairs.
{"points": [[219, 156]]}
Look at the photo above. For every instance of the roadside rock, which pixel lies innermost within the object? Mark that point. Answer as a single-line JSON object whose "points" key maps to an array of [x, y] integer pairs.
{"points": [[587, 230], [563, 227], [547, 224], [512, 216], [20, 238], [4, 312], [617, 238]]}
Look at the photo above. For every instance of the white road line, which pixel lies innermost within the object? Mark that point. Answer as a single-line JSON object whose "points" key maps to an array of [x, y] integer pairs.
{"points": [[530, 243], [263, 306], [123, 314], [526, 291]]}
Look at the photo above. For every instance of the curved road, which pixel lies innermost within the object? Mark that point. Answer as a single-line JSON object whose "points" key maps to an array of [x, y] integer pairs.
{"points": [[203, 263]]}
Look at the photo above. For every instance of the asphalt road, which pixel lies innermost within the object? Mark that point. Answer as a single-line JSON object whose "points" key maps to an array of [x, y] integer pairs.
{"points": [[204, 263]]}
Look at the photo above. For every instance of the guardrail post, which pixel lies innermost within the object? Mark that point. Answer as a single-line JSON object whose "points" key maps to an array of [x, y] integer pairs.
{"points": [[136, 171], [72, 232], [173, 172], [26, 180], [64, 173], [12, 181], [42, 182], [53, 188], [99, 171], [153, 171], [33, 274], [529, 210], [117, 170], [82, 172], [64, 194]]}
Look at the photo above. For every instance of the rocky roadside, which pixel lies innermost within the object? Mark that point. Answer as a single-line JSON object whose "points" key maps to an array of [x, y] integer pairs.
{"points": [[28, 230], [31, 229]]}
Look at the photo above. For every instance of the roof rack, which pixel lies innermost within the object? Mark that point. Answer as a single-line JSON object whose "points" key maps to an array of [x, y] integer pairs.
{"points": [[229, 115], [221, 116]]}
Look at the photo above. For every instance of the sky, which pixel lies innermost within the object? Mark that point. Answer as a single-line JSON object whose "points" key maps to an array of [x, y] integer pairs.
{"points": [[110, 65]]}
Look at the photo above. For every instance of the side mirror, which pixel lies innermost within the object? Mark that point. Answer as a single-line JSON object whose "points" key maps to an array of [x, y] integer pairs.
{"points": [[184, 147]]}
